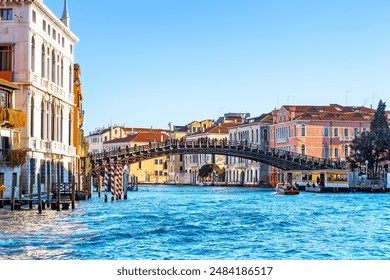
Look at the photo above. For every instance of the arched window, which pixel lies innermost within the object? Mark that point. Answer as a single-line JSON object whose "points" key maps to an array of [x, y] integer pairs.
{"points": [[70, 129], [48, 64], [32, 117], [58, 70], [346, 151], [62, 72], [70, 79], [303, 149], [33, 54], [43, 120], [265, 134], [62, 126], [53, 122], [303, 130], [43, 62], [53, 66]]}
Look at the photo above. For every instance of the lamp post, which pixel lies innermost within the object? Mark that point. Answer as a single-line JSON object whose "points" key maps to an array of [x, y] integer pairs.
{"points": [[366, 162], [126, 171]]}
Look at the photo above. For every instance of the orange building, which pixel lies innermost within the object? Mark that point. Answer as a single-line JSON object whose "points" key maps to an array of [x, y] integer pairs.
{"points": [[79, 142]]}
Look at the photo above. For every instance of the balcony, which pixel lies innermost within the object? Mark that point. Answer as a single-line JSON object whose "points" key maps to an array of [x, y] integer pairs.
{"points": [[11, 118], [13, 158], [346, 138]]}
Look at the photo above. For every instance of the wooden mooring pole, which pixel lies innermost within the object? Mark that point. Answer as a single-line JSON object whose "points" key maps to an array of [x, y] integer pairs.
{"points": [[99, 186], [39, 193], [73, 191], [58, 194], [13, 194], [31, 192], [125, 185], [48, 191]]}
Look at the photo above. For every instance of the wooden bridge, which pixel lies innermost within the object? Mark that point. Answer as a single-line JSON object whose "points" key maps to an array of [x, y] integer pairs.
{"points": [[260, 153]]}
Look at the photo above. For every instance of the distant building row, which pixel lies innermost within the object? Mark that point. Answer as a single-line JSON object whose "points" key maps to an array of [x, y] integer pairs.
{"points": [[320, 131]]}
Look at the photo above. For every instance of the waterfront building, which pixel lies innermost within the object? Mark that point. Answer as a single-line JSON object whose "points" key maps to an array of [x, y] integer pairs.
{"points": [[244, 172], [193, 163], [97, 138], [198, 126], [37, 53], [319, 131], [152, 171], [12, 155], [81, 163], [176, 167]]}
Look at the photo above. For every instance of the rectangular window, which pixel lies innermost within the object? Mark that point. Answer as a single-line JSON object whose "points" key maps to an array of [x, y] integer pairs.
{"points": [[6, 58], [54, 34], [326, 131], [155, 172], [63, 42], [160, 161], [44, 25], [336, 153], [336, 132], [326, 153], [160, 173], [156, 161], [346, 131], [6, 14], [48, 29], [356, 132], [34, 17]]}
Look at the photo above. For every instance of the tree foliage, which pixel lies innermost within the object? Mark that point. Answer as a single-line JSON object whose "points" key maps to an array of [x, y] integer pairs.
{"points": [[206, 170], [373, 146]]}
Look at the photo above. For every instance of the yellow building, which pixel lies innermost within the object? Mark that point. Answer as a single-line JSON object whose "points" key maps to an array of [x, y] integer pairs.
{"points": [[152, 171], [12, 157], [199, 126]]}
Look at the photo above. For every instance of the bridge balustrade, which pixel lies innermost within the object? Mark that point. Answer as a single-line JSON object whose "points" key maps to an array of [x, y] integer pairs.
{"points": [[258, 152]]}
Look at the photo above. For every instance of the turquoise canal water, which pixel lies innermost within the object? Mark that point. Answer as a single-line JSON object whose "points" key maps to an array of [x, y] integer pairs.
{"points": [[186, 223]]}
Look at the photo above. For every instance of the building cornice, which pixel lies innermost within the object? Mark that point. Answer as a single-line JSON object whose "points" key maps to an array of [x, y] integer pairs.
{"points": [[59, 24]]}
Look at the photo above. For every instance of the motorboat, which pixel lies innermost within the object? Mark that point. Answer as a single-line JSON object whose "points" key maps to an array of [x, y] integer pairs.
{"points": [[286, 189]]}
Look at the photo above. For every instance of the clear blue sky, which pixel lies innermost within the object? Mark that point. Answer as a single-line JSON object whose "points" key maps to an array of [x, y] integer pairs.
{"points": [[150, 62]]}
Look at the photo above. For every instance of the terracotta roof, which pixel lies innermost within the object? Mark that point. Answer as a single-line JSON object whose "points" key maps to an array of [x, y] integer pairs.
{"points": [[344, 116], [141, 137], [222, 128]]}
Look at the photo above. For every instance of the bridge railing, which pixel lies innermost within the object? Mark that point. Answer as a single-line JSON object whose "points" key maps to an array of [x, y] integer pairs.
{"points": [[170, 144]]}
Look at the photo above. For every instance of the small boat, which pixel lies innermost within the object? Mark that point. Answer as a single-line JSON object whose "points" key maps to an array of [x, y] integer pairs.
{"points": [[286, 189]]}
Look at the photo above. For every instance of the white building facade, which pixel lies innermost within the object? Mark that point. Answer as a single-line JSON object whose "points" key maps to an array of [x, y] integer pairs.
{"points": [[41, 48], [244, 172]]}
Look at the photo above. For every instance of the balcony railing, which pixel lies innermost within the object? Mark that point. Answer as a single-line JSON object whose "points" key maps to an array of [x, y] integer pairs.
{"points": [[346, 138], [13, 158], [12, 118]]}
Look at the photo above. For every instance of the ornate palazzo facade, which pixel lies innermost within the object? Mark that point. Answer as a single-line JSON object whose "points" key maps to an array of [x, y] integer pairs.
{"points": [[41, 53]]}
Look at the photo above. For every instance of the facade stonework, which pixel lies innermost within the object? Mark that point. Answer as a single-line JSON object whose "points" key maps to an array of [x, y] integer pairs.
{"points": [[42, 54]]}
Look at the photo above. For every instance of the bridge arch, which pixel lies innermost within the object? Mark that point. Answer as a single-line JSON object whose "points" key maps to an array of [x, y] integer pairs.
{"points": [[281, 159]]}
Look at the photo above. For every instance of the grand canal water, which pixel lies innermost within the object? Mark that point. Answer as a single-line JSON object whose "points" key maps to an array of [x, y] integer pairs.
{"points": [[197, 223]]}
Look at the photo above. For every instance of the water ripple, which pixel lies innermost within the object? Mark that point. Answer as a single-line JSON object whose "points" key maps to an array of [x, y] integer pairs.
{"points": [[182, 223]]}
